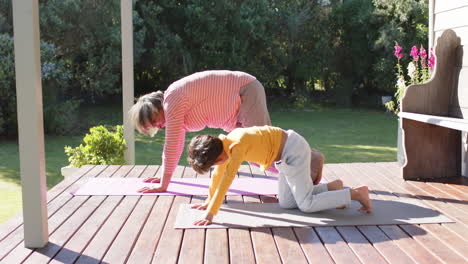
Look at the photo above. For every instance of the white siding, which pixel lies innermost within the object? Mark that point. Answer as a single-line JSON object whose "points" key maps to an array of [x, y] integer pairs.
{"points": [[446, 5]]}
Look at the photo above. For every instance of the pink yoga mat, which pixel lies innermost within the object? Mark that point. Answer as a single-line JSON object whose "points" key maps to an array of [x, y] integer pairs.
{"points": [[178, 186]]}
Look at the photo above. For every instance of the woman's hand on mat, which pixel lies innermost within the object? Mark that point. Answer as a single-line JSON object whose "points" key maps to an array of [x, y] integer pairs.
{"points": [[202, 206], [152, 189], [204, 222], [152, 180]]}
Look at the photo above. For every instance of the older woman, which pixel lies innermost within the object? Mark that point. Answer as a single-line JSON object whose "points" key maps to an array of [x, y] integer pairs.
{"points": [[216, 99]]}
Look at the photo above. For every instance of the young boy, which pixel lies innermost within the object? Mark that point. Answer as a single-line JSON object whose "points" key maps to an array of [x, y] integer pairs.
{"points": [[267, 145]]}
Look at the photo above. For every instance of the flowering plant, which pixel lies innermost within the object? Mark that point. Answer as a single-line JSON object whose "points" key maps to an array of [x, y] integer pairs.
{"points": [[419, 71]]}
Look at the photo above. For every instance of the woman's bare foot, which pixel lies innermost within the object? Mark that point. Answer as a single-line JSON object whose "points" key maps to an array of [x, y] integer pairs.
{"points": [[341, 207], [361, 194]]}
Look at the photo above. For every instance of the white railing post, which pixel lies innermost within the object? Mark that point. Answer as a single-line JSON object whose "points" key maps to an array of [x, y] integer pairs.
{"points": [[30, 122], [127, 76]]}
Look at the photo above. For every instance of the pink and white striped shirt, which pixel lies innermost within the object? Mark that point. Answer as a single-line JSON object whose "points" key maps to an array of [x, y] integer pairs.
{"points": [[209, 98]]}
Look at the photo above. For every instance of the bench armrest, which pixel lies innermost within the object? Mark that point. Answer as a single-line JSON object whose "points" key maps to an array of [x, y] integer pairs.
{"points": [[443, 121]]}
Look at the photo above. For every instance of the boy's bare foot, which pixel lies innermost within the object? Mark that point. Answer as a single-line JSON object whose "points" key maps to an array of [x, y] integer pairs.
{"points": [[341, 207], [361, 194]]}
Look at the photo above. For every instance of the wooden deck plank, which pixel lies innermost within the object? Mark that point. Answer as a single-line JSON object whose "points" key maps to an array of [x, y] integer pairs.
{"points": [[312, 247], [240, 243], [414, 250], [263, 242], [76, 225], [384, 245], [449, 189], [63, 234], [424, 192], [336, 246], [14, 238], [193, 246], [448, 238], [216, 246], [349, 179], [148, 240], [287, 243], [73, 248], [216, 243], [289, 249], [19, 253], [359, 244], [434, 245], [66, 230], [167, 250], [404, 241], [264, 246], [98, 246], [462, 206], [390, 174], [16, 221], [62, 208], [125, 240], [429, 239]]}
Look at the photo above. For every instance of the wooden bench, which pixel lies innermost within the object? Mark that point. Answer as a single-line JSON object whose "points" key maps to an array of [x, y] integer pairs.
{"points": [[434, 116]]}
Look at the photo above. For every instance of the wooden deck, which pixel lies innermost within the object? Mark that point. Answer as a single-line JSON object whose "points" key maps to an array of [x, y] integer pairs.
{"points": [[139, 229]]}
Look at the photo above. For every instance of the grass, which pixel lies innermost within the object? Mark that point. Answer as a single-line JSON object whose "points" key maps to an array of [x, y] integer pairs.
{"points": [[343, 135]]}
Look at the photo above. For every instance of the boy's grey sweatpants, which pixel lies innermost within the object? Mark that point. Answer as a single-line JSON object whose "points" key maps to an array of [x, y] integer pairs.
{"points": [[295, 187]]}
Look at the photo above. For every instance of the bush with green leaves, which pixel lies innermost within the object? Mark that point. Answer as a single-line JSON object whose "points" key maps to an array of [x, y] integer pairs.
{"points": [[101, 147], [59, 109]]}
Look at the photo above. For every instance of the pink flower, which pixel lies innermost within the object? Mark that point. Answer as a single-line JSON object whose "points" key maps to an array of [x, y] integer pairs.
{"points": [[422, 52], [423, 55], [414, 53], [398, 49], [431, 60]]}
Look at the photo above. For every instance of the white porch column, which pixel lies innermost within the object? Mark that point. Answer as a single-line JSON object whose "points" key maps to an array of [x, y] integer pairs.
{"points": [[127, 76], [431, 25], [30, 122]]}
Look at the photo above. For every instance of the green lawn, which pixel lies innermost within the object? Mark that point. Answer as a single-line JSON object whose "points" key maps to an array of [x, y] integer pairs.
{"points": [[343, 135]]}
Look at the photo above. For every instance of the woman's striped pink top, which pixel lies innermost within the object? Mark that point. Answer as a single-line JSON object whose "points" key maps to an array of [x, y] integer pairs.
{"points": [[203, 99]]}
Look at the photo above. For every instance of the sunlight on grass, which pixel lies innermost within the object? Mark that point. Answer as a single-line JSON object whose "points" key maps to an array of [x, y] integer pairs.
{"points": [[10, 195]]}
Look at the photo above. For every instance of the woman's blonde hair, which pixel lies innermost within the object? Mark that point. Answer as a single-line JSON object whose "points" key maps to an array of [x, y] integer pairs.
{"points": [[142, 111]]}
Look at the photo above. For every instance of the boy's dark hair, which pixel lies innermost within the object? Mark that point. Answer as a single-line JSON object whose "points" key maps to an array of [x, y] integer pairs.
{"points": [[203, 151]]}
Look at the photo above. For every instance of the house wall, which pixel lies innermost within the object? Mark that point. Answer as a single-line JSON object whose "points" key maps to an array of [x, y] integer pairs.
{"points": [[453, 14]]}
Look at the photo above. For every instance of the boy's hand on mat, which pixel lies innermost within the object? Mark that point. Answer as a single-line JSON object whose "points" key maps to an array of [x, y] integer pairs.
{"points": [[152, 189], [152, 180], [204, 222], [200, 206]]}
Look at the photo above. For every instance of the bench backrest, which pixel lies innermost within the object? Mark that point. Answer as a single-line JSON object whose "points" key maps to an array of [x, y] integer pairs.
{"points": [[459, 98], [446, 93]]}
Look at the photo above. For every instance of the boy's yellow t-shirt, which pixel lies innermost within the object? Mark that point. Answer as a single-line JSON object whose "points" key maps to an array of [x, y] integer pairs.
{"points": [[254, 144]]}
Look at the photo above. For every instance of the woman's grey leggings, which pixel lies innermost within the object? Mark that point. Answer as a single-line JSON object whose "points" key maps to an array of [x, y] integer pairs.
{"points": [[295, 187], [253, 110]]}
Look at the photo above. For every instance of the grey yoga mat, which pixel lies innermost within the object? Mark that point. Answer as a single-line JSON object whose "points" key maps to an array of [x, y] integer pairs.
{"points": [[249, 215]]}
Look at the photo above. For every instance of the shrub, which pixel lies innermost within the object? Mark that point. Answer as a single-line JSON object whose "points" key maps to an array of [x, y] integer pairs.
{"points": [[101, 146], [59, 110]]}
